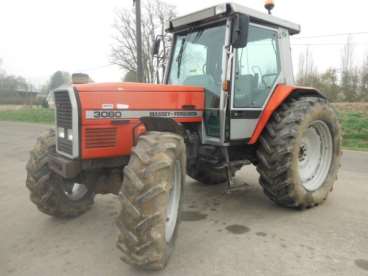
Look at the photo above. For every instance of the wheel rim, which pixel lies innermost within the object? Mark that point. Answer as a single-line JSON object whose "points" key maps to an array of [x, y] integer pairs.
{"points": [[315, 155], [75, 191], [172, 210]]}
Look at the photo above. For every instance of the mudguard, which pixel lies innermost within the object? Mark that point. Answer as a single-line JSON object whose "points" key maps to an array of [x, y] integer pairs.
{"points": [[280, 95]]}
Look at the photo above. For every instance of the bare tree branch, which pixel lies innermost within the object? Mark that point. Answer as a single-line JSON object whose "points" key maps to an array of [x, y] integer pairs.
{"points": [[155, 15]]}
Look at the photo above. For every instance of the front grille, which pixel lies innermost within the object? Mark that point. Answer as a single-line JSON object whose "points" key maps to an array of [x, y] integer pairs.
{"points": [[63, 109], [64, 120], [65, 145], [100, 138]]}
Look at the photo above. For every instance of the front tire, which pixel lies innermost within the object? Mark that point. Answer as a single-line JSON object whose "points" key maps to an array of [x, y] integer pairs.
{"points": [[151, 200], [299, 153], [52, 194]]}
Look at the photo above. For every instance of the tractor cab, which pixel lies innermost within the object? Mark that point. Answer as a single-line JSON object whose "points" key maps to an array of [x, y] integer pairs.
{"points": [[239, 56]]}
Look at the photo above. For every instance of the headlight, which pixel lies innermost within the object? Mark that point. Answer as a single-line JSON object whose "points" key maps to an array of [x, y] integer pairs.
{"points": [[61, 132], [70, 135]]}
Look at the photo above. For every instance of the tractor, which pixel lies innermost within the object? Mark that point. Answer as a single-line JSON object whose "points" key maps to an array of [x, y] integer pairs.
{"points": [[227, 99]]}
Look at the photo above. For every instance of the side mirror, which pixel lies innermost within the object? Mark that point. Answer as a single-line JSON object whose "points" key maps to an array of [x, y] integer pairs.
{"points": [[156, 46], [239, 34]]}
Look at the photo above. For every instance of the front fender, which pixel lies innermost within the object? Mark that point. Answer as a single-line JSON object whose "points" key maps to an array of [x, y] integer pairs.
{"points": [[162, 124], [280, 95]]}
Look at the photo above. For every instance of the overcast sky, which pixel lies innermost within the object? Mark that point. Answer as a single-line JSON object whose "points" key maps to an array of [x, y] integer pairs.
{"points": [[38, 37]]}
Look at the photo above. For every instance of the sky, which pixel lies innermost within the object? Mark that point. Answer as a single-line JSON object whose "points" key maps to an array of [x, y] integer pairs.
{"points": [[39, 37]]}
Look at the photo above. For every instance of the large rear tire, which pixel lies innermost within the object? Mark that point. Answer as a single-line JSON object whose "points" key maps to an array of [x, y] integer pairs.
{"points": [[52, 194], [151, 200], [299, 153]]}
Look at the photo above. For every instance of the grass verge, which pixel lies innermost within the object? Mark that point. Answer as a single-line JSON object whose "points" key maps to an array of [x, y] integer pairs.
{"points": [[355, 130], [29, 115]]}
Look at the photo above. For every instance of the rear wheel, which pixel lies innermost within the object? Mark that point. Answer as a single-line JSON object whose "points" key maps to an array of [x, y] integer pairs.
{"points": [[52, 194], [151, 199], [299, 153]]}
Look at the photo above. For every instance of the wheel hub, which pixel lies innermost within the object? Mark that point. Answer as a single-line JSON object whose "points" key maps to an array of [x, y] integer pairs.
{"points": [[75, 191], [303, 153], [315, 155]]}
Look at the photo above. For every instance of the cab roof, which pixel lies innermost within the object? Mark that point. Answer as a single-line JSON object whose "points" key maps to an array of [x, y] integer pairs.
{"points": [[226, 9]]}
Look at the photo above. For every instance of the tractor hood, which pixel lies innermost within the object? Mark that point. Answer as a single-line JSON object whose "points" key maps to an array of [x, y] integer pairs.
{"points": [[134, 100], [109, 113], [134, 87]]}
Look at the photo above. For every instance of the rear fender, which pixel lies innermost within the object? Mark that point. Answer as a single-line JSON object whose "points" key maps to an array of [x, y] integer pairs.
{"points": [[279, 96]]}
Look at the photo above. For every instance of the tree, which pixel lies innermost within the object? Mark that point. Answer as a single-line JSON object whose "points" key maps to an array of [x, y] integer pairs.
{"points": [[308, 73], [329, 85], [347, 57], [349, 84], [155, 15], [11, 83], [350, 74], [363, 84], [59, 78], [13, 89], [2, 72], [130, 76]]}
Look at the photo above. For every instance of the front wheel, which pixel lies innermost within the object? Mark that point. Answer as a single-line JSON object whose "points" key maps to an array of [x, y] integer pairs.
{"points": [[52, 194], [299, 153], [151, 200]]}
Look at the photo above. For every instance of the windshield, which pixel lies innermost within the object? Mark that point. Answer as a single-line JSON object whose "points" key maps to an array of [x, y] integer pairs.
{"points": [[197, 61]]}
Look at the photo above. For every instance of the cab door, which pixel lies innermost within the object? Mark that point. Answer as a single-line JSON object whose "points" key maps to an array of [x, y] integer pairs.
{"points": [[256, 72], [197, 60]]}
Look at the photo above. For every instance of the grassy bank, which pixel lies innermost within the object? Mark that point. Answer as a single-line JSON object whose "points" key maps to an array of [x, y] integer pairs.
{"points": [[354, 123], [28, 114], [355, 130]]}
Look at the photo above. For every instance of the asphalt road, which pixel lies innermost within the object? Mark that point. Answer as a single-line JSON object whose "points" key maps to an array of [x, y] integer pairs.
{"points": [[238, 234]]}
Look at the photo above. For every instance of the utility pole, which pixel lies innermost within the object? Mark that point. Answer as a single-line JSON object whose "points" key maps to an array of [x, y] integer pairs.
{"points": [[140, 73]]}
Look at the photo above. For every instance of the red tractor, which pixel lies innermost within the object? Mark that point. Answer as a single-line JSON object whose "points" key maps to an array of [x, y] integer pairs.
{"points": [[228, 99]]}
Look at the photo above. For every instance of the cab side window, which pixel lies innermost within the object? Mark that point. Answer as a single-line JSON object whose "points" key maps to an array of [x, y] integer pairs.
{"points": [[257, 68]]}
